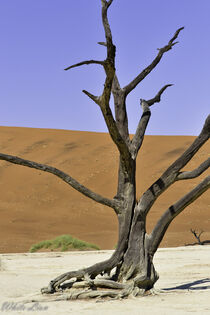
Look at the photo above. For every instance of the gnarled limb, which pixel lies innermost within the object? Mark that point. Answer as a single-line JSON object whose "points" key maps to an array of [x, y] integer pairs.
{"points": [[165, 220], [112, 126], [94, 283], [192, 150], [140, 131], [157, 97], [120, 106], [196, 172], [105, 97], [65, 177], [128, 88], [172, 173]]}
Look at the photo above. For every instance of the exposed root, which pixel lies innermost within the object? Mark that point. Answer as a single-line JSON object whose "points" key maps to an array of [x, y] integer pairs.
{"points": [[96, 288], [121, 281], [79, 279], [87, 274]]}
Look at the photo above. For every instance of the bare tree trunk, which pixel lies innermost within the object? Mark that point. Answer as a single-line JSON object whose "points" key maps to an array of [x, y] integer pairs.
{"points": [[137, 262]]}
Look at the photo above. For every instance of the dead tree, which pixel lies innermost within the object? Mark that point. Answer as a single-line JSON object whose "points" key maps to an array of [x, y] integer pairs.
{"points": [[130, 269], [197, 235]]}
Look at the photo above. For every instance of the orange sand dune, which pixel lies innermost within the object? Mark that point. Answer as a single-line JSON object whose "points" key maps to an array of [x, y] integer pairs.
{"points": [[35, 206]]}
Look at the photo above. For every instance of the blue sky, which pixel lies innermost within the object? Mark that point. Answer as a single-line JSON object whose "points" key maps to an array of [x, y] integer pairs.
{"points": [[39, 38]]}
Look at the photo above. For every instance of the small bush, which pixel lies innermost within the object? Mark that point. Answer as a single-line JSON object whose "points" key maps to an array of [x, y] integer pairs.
{"points": [[63, 243]]}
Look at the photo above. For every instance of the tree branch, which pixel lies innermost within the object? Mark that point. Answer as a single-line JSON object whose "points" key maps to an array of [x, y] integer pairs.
{"points": [[172, 173], [128, 88], [192, 150], [196, 172], [86, 62], [106, 3], [120, 106], [104, 99], [96, 99], [140, 131], [109, 66], [109, 2], [120, 109], [107, 29], [102, 44], [157, 97], [65, 177], [162, 225], [115, 135]]}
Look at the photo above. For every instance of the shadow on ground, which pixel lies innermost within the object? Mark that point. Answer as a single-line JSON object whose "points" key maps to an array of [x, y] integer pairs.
{"points": [[195, 285], [206, 242]]}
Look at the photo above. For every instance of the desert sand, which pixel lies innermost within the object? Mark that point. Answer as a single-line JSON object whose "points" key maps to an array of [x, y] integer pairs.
{"points": [[183, 287], [36, 206]]}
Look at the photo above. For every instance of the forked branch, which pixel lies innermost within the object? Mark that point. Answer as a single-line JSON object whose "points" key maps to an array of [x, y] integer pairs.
{"points": [[165, 220], [109, 2], [142, 125], [65, 177], [104, 99], [140, 131], [128, 88], [120, 106], [173, 172]]}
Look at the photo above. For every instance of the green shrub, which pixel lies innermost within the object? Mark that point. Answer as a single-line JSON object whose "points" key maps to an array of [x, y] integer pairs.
{"points": [[63, 243]]}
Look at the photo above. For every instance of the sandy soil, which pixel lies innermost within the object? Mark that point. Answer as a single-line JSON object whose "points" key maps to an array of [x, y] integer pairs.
{"points": [[183, 287], [35, 206]]}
